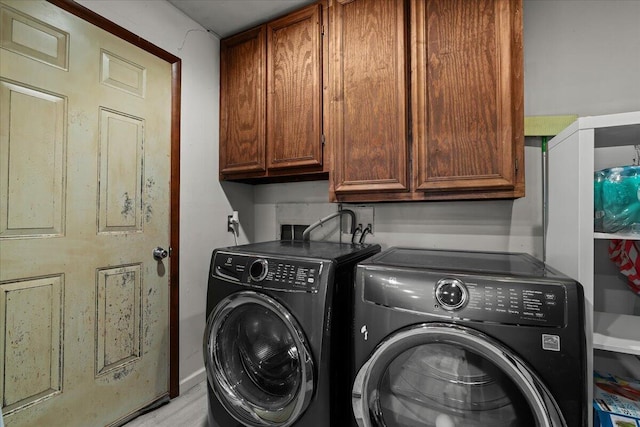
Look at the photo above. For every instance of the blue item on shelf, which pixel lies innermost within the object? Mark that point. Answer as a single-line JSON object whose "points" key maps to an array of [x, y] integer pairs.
{"points": [[620, 198]]}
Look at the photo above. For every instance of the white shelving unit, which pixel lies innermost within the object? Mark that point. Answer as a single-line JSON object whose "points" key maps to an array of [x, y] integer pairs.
{"points": [[611, 311], [616, 332]]}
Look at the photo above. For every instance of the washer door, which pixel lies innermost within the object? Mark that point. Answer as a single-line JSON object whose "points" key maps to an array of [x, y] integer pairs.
{"points": [[257, 360], [445, 375]]}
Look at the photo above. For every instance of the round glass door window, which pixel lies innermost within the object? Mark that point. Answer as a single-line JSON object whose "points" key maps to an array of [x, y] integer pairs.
{"points": [[447, 375], [444, 385], [257, 362]]}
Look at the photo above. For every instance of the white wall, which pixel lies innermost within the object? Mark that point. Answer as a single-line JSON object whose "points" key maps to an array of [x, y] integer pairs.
{"points": [[501, 225], [204, 203], [581, 57]]}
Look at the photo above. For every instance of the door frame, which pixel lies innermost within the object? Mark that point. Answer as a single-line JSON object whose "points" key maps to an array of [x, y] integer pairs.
{"points": [[174, 187]]}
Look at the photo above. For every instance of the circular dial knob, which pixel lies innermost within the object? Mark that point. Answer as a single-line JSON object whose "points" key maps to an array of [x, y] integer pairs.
{"points": [[451, 294], [258, 270]]}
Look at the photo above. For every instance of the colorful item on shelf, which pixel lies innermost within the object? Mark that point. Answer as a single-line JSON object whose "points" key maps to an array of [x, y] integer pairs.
{"points": [[616, 401], [616, 198], [624, 254]]}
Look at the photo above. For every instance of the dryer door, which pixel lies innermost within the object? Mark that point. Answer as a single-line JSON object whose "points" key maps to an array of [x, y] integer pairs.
{"points": [[445, 375], [257, 360]]}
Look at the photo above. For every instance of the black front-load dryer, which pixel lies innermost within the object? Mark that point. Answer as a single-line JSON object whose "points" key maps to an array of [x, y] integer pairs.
{"points": [[473, 339], [278, 334]]}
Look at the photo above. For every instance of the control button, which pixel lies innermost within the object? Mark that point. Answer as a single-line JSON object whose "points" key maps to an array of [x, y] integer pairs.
{"points": [[451, 294], [258, 270], [550, 296]]}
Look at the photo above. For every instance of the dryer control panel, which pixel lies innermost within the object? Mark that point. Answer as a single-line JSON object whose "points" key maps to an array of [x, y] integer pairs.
{"points": [[502, 300], [283, 274]]}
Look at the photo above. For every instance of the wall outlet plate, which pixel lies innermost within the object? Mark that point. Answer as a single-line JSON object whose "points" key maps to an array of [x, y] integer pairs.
{"points": [[233, 221]]}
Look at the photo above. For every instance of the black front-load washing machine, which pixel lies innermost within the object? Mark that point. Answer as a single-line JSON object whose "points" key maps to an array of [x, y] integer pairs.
{"points": [[462, 338], [278, 334]]}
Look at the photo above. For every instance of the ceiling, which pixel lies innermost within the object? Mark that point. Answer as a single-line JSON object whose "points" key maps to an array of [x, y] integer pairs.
{"points": [[227, 17]]}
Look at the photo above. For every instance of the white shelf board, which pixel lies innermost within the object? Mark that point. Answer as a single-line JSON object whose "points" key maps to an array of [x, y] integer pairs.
{"points": [[616, 332], [612, 129], [623, 236]]}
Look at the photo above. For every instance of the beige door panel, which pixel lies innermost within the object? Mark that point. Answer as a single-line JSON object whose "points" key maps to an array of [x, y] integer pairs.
{"points": [[84, 199]]}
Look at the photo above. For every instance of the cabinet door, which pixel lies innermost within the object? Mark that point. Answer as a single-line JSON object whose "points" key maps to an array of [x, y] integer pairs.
{"points": [[242, 103], [367, 119], [294, 96], [467, 97]]}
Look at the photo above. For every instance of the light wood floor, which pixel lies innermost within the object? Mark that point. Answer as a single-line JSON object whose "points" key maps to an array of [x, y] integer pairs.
{"points": [[186, 410]]}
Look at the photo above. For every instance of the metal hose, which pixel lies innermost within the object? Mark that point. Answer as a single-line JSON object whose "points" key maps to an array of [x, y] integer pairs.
{"points": [[307, 232]]}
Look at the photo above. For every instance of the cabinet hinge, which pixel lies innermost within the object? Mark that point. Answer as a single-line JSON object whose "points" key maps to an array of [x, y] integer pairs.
{"points": [[516, 165], [322, 30], [322, 140]]}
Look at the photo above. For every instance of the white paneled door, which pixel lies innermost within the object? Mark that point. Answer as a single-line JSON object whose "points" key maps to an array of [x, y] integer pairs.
{"points": [[85, 143]]}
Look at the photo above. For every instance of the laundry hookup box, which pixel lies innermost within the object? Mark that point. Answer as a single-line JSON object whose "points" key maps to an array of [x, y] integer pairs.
{"points": [[616, 401]]}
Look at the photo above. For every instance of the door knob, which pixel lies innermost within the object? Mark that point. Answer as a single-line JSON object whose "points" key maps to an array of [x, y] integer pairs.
{"points": [[159, 253]]}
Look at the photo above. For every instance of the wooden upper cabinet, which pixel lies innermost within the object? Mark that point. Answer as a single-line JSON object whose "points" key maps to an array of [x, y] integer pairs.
{"points": [[271, 99], [466, 113], [294, 97], [367, 123], [467, 98], [242, 103]]}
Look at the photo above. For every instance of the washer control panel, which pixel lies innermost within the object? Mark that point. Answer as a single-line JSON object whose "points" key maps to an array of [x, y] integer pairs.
{"points": [[268, 272], [516, 302], [469, 297]]}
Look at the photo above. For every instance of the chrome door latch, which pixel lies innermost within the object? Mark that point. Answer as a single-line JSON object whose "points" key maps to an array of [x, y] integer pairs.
{"points": [[160, 253]]}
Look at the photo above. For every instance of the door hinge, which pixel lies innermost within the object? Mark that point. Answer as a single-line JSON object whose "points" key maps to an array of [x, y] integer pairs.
{"points": [[322, 30], [517, 166]]}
